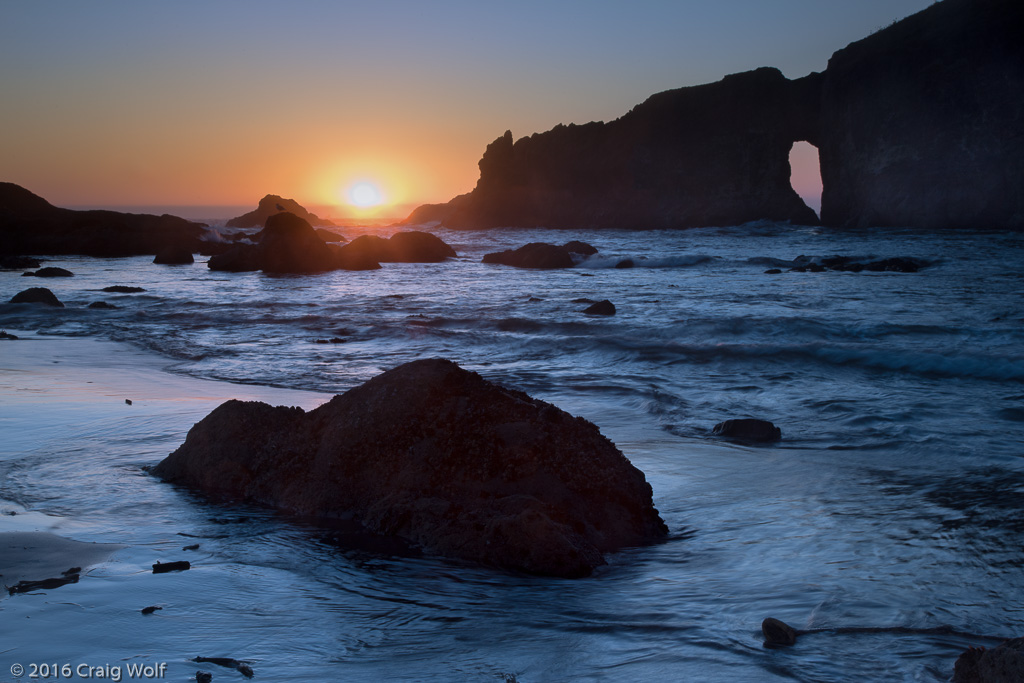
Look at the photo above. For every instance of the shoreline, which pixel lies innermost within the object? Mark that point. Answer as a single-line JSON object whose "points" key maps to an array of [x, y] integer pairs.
{"points": [[62, 385]]}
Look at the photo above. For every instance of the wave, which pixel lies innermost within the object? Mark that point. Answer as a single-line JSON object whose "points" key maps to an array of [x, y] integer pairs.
{"points": [[600, 261]]}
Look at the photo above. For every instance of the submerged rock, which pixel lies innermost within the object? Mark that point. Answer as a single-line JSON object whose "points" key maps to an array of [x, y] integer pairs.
{"points": [[437, 456], [123, 289], [37, 295], [540, 255], [102, 305], [1002, 664], [748, 429]]}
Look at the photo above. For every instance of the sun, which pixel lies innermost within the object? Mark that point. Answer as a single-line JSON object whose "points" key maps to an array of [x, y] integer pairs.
{"points": [[365, 195]]}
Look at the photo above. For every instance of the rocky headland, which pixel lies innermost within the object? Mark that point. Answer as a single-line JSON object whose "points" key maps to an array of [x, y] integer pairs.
{"points": [[439, 457], [31, 225], [918, 125]]}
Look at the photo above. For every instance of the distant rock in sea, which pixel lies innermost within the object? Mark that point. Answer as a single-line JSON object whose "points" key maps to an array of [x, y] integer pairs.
{"points": [[539, 255], [273, 204], [287, 244], [18, 263], [50, 272], [37, 295], [403, 247], [917, 125], [123, 289], [31, 225], [439, 457], [174, 256]]}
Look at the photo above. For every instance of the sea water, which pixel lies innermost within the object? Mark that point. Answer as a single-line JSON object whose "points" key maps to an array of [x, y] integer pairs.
{"points": [[894, 500]]}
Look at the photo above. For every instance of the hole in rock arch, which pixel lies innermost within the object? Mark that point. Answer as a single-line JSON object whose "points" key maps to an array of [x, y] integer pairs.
{"points": [[805, 173]]}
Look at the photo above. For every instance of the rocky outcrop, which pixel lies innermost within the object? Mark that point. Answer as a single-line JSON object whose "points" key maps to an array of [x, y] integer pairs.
{"points": [[403, 247], [271, 205], [1002, 664], [288, 244], [437, 456], [330, 235], [715, 154], [31, 225], [922, 124], [917, 125], [37, 295]]}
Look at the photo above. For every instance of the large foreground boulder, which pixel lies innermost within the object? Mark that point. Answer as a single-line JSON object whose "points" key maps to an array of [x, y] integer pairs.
{"points": [[438, 456], [1001, 664]]}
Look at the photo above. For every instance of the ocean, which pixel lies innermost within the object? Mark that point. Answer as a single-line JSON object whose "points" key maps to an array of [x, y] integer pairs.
{"points": [[893, 501]]}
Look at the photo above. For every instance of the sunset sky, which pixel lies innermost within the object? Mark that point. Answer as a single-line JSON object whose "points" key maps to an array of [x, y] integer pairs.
{"points": [[186, 104]]}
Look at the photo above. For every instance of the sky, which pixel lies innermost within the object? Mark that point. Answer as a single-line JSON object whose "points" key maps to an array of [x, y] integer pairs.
{"points": [[188, 104]]}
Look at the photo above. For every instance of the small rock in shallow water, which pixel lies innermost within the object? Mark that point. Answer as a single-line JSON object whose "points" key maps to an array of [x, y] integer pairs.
{"points": [[164, 567], [4, 334], [772, 271], [778, 632], [759, 431], [601, 308], [102, 305], [150, 609]]}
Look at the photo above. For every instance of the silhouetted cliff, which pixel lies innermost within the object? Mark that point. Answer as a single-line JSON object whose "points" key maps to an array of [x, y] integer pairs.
{"points": [[923, 123], [706, 155], [31, 225], [273, 204], [920, 124]]}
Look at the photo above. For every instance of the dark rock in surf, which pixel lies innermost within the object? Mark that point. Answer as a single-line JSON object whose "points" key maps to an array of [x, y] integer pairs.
{"points": [[437, 456], [151, 609], [204, 677], [272, 205], [123, 289], [604, 307], [625, 263], [102, 305], [748, 429], [174, 256], [772, 271], [778, 632], [577, 247], [7, 336], [583, 301], [540, 255], [1001, 664], [50, 272], [288, 244], [37, 295], [18, 263], [410, 246]]}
